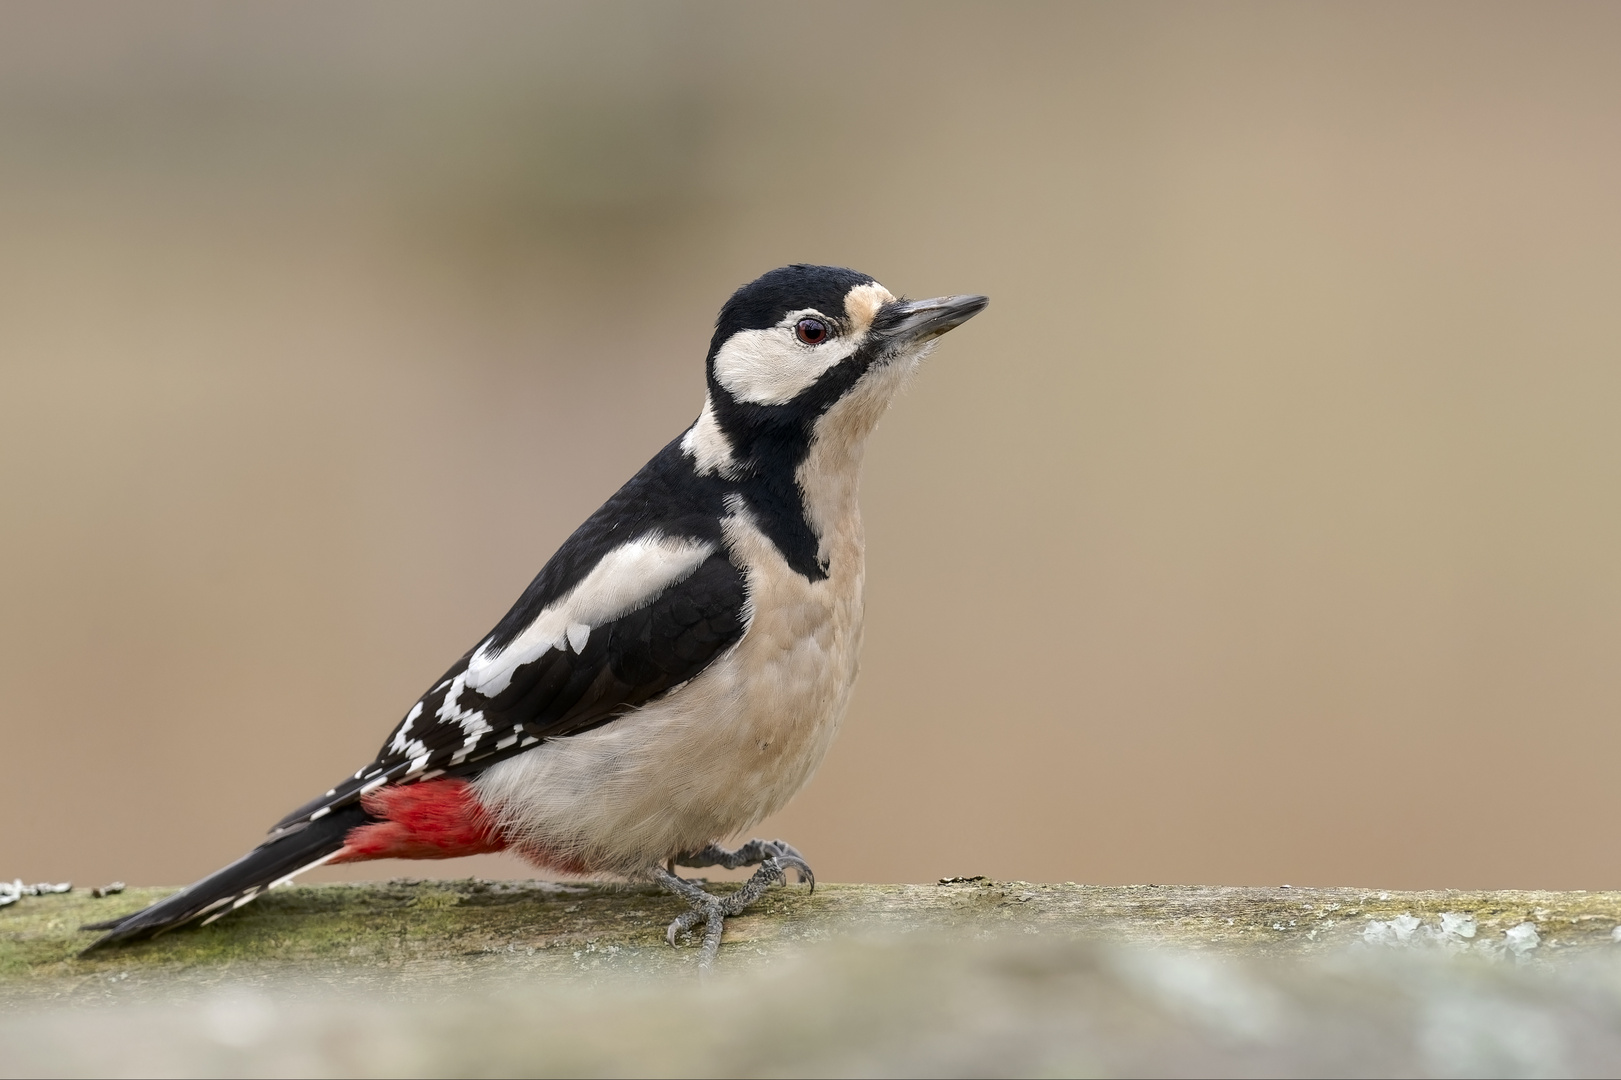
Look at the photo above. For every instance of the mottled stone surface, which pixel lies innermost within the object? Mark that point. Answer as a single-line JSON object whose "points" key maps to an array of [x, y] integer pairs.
{"points": [[967, 977]]}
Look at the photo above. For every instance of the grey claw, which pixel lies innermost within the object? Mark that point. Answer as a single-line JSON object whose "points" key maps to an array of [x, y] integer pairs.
{"points": [[683, 923], [802, 871]]}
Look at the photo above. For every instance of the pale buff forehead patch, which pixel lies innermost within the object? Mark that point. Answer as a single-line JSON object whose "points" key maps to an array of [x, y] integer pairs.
{"points": [[861, 306]]}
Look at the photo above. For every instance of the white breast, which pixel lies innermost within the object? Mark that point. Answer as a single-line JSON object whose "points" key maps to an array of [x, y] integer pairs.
{"points": [[733, 745], [712, 758]]}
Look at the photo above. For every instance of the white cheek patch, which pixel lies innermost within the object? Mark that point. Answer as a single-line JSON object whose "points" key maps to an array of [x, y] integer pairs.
{"points": [[771, 367], [627, 578]]}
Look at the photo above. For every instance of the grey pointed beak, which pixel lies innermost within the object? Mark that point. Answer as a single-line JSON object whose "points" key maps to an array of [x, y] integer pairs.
{"points": [[920, 320]]}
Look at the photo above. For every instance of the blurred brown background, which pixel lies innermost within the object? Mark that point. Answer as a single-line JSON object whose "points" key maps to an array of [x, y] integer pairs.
{"points": [[1266, 528]]}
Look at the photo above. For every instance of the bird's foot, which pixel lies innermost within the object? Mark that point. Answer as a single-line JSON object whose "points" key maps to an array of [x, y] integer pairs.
{"points": [[753, 853], [712, 911]]}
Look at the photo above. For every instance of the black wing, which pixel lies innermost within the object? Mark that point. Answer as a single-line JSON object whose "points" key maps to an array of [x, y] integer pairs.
{"points": [[622, 664]]}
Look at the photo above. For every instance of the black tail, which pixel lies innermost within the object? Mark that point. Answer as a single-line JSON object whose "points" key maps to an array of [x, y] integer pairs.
{"points": [[278, 858]]}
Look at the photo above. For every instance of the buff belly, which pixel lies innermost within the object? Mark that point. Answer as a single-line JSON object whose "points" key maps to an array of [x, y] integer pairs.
{"points": [[710, 759]]}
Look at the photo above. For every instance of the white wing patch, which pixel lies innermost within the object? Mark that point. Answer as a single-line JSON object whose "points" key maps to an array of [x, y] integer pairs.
{"points": [[627, 578]]}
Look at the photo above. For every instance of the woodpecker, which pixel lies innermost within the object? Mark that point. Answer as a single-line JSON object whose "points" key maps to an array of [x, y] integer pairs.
{"points": [[678, 669]]}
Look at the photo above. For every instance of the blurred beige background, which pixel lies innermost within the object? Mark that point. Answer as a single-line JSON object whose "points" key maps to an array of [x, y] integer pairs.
{"points": [[1266, 529]]}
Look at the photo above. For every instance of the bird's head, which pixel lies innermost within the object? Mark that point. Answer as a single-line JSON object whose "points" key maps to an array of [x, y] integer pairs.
{"points": [[811, 352]]}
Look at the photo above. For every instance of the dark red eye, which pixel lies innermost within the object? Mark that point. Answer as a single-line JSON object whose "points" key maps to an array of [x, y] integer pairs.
{"points": [[811, 331]]}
